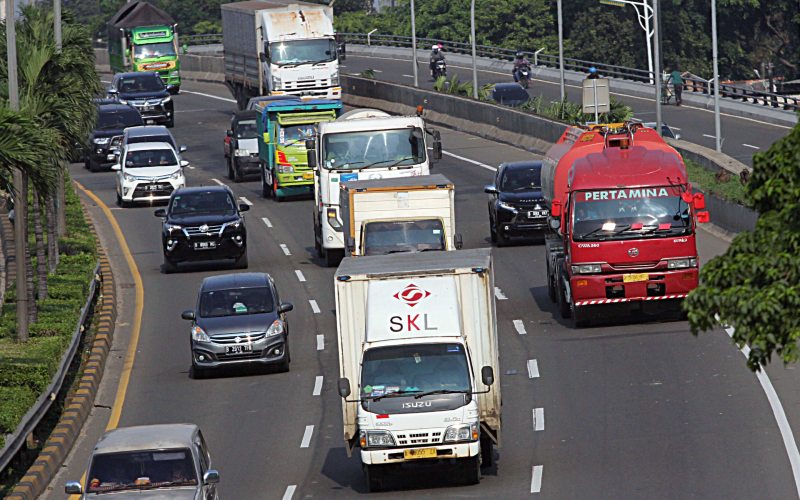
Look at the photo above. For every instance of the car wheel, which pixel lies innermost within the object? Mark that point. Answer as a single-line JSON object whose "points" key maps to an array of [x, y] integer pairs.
{"points": [[171, 122], [492, 231], [93, 166], [284, 366], [168, 267], [86, 163], [241, 262], [197, 373], [500, 239]]}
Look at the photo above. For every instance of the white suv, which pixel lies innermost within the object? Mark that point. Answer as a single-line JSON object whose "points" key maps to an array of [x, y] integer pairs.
{"points": [[148, 172]]}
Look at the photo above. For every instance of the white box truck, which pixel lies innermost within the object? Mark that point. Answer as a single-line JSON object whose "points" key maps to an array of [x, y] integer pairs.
{"points": [[405, 214], [278, 47], [359, 145], [418, 360]]}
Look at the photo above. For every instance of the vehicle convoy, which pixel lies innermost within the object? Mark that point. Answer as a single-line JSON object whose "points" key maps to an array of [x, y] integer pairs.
{"points": [[623, 217], [148, 172], [105, 140], [279, 47], [405, 214], [283, 129], [239, 321], [202, 224], [150, 461], [362, 144], [142, 37], [147, 93], [241, 146], [418, 358], [516, 204]]}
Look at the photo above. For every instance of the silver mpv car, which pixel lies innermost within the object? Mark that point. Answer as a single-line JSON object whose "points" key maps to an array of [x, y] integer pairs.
{"points": [[150, 461]]}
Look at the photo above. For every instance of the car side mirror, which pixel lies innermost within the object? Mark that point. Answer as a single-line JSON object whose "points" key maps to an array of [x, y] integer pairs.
{"points": [[677, 137], [487, 375], [73, 488], [344, 387], [188, 315], [490, 189], [160, 213], [285, 307], [116, 167], [244, 207], [183, 148], [211, 476], [311, 158], [229, 133], [112, 91], [184, 163]]}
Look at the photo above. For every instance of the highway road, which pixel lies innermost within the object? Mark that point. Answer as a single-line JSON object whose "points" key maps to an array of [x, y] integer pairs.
{"points": [[741, 136], [631, 409]]}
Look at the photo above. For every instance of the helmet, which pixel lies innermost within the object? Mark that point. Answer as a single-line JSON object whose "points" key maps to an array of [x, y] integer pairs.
{"points": [[435, 47], [520, 54]]}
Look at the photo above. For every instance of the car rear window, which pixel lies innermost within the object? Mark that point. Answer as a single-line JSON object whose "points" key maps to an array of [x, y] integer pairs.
{"points": [[236, 302], [118, 118]]}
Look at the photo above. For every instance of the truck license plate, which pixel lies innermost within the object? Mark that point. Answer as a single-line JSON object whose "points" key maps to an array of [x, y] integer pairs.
{"points": [[238, 349], [416, 453], [633, 278], [308, 175]]}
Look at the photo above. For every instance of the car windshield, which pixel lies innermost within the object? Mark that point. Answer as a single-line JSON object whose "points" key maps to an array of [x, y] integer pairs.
{"points": [[141, 470], [414, 368], [296, 134], [140, 83], [246, 129], [302, 51], [381, 148], [236, 302], [630, 213], [202, 202], [384, 237], [118, 119], [521, 179], [150, 158], [153, 50]]}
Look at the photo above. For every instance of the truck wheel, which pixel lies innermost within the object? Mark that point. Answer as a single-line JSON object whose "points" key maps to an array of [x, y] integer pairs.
{"points": [[471, 470], [265, 188], [275, 195], [333, 257], [487, 452], [563, 305], [580, 317], [551, 289], [237, 174], [241, 262], [374, 476]]}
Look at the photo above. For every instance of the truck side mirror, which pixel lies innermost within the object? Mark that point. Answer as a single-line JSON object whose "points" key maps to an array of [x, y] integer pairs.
{"points": [[555, 223], [437, 145], [555, 208], [312, 158], [263, 56], [487, 375], [458, 241], [344, 387], [311, 144], [73, 488], [351, 244], [703, 217]]}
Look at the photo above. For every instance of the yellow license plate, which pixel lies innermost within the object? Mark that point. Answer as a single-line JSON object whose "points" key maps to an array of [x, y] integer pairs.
{"points": [[633, 278], [308, 175], [419, 453]]}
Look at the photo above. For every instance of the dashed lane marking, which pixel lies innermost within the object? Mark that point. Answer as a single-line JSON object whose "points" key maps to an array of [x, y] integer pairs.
{"points": [[314, 306], [469, 160], [710, 136], [320, 342], [218, 181], [211, 96], [750, 146], [533, 368], [498, 294], [285, 249], [299, 275], [246, 201], [538, 419], [520, 327], [266, 221], [307, 436], [289, 493], [536, 479], [317, 386]]}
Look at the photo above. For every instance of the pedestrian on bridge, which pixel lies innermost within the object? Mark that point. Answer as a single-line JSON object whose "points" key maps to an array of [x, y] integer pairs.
{"points": [[676, 80]]}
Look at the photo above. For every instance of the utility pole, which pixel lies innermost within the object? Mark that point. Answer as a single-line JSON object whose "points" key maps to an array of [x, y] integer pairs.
{"points": [[20, 184], [60, 197], [714, 57], [561, 51], [657, 69], [414, 43], [474, 61]]}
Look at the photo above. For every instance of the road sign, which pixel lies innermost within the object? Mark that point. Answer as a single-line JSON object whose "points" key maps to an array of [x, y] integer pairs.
{"points": [[596, 96]]}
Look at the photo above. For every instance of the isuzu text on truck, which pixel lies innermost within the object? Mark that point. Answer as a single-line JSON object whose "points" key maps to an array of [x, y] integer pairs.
{"points": [[362, 144], [623, 217], [418, 357], [280, 47]]}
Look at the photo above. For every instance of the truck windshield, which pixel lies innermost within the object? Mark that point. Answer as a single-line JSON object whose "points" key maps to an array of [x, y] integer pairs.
{"points": [[385, 237], [373, 148], [153, 50], [144, 470], [418, 368], [246, 129], [289, 135], [302, 51], [630, 213]]}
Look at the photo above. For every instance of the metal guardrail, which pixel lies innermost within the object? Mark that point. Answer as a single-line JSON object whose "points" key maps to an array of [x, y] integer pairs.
{"points": [[32, 418], [207, 39]]}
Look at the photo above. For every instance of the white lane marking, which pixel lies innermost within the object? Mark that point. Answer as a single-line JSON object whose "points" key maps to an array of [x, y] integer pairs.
{"points": [[536, 479], [750, 146], [378, 70], [317, 386], [409, 76], [468, 160], [710, 136], [780, 416], [299, 275], [218, 181], [498, 294], [246, 201], [520, 327], [314, 306], [320, 342], [533, 368], [190, 167], [289, 493], [538, 419], [285, 249], [226, 99], [674, 128], [266, 221], [307, 436]]}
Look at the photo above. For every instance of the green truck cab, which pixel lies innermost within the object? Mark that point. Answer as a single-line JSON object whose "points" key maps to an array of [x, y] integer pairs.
{"points": [[142, 37], [283, 128]]}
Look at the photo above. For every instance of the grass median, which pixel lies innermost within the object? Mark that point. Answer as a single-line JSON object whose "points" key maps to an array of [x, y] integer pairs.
{"points": [[728, 187]]}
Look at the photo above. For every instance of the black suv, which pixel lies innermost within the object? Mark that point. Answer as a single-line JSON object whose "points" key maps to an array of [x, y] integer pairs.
{"points": [[201, 224], [516, 204], [147, 93], [104, 141]]}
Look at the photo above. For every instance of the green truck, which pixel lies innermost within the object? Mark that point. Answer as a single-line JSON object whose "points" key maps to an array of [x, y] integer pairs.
{"points": [[142, 37], [283, 128]]}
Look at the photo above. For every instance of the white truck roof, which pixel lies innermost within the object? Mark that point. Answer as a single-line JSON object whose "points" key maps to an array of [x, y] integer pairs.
{"points": [[397, 265], [367, 124], [297, 22]]}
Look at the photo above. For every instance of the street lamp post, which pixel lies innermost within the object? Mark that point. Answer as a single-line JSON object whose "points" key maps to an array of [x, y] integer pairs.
{"points": [[474, 62], [57, 23], [561, 52], [714, 56], [657, 49], [644, 15], [414, 44]]}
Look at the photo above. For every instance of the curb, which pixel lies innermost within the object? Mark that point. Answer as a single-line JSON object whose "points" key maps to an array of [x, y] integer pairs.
{"points": [[78, 404]]}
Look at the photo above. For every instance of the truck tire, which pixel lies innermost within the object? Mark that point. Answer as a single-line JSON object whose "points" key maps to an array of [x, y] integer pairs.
{"points": [[266, 190], [487, 452], [333, 257], [373, 474], [563, 305], [230, 167], [580, 316], [471, 470], [551, 287]]}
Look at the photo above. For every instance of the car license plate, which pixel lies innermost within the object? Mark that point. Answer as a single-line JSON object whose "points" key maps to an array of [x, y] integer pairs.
{"points": [[416, 453], [308, 175], [154, 187], [533, 214], [205, 245], [238, 348], [633, 278]]}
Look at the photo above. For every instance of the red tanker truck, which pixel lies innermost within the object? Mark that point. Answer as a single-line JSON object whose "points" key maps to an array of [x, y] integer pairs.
{"points": [[623, 219]]}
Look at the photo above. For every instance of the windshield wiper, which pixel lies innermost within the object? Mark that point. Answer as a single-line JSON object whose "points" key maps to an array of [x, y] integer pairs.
{"points": [[373, 164], [442, 391], [393, 394]]}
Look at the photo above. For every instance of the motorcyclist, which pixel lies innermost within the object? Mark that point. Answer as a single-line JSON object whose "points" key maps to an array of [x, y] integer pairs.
{"points": [[519, 61], [436, 56]]}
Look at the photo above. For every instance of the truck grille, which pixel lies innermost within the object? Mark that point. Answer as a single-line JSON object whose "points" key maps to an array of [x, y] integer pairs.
{"points": [[417, 438]]}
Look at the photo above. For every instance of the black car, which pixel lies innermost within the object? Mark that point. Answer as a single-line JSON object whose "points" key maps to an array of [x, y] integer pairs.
{"points": [[516, 204], [510, 94], [147, 93], [202, 224], [239, 320], [105, 139]]}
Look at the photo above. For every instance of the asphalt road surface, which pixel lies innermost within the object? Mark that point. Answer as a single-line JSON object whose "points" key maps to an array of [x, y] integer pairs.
{"points": [[630, 409]]}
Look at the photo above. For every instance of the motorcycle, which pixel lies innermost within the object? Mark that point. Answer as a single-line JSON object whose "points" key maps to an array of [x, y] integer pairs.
{"points": [[524, 75], [439, 69]]}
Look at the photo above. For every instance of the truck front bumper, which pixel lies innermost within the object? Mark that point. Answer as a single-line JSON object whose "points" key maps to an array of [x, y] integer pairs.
{"points": [[443, 452], [630, 287], [324, 93], [295, 183]]}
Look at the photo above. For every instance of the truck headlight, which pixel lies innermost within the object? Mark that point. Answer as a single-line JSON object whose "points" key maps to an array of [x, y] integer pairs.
{"points": [[681, 263], [198, 335], [101, 140], [174, 73], [276, 82], [586, 269], [276, 328], [285, 169], [332, 220], [455, 433], [377, 439], [335, 79], [506, 206]]}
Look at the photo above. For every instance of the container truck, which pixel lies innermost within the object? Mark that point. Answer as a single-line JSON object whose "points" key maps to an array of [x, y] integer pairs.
{"points": [[142, 37], [623, 220], [362, 144], [406, 214], [279, 47], [418, 361]]}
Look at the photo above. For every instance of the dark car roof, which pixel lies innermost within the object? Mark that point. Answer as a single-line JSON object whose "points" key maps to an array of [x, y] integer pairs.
{"points": [[115, 108], [510, 94], [246, 114], [522, 164], [133, 74], [204, 189], [236, 280]]}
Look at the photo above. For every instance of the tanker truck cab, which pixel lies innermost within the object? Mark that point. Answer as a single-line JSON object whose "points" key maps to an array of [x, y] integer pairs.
{"points": [[363, 144]]}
